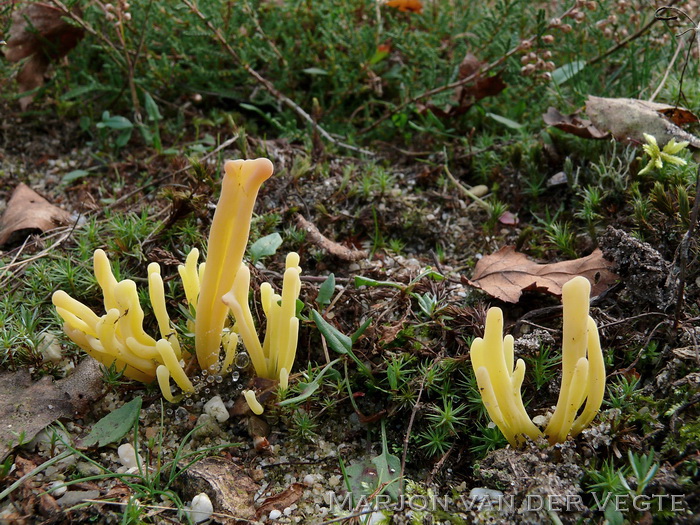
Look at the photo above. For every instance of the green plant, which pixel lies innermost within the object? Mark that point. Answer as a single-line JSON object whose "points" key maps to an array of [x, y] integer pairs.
{"points": [[560, 235], [622, 392]]}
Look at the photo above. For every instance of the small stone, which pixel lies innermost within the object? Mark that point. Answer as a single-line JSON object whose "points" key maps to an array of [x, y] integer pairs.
{"points": [[127, 456], [207, 426], [201, 508], [334, 481], [309, 480], [74, 497], [275, 514], [215, 408]]}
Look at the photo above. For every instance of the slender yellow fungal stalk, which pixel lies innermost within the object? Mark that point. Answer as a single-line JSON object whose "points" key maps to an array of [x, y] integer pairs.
{"points": [[163, 376], [237, 301], [156, 292], [583, 374], [278, 350], [167, 354], [596, 380], [227, 241], [189, 277], [284, 379], [118, 337], [231, 343], [500, 381], [575, 298], [105, 278], [253, 402]]}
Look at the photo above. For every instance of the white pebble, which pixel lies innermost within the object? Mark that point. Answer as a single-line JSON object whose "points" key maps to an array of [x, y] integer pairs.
{"points": [[275, 514], [201, 508], [334, 481], [215, 408], [309, 480], [127, 455]]}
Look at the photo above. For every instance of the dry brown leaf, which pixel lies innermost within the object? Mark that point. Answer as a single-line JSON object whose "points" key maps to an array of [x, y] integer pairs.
{"points": [[40, 34], [27, 407], [468, 95], [28, 212], [281, 501], [229, 488], [506, 274], [573, 124], [628, 119]]}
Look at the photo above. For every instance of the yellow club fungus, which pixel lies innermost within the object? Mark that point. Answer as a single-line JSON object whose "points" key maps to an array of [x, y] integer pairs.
{"points": [[583, 374], [118, 338], [273, 358]]}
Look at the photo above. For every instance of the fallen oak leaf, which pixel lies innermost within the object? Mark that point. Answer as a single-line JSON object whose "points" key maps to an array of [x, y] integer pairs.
{"points": [[27, 407], [506, 274], [281, 500], [28, 211], [627, 119]]}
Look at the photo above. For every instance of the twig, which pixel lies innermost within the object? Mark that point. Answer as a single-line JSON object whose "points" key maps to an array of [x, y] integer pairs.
{"points": [[626, 41], [268, 86], [681, 43]]}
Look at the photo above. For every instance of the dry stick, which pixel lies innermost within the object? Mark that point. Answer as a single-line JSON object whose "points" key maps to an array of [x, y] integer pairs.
{"points": [[269, 87], [623, 43], [453, 85], [684, 248], [681, 43]]}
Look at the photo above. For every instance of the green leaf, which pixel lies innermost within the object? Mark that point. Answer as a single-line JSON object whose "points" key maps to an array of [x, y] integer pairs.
{"points": [[505, 121], [307, 389], [265, 246], [74, 175], [115, 425], [315, 71], [115, 122], [325, 292], [567, 71], [388, 467], [337, 341], [368, 281], [151, 107]]}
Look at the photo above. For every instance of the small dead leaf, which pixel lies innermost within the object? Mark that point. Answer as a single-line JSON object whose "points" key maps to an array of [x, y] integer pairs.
{"points": [[230, 489], [409, 6], [628, 119], [281, 501], [469, 94], [27, 407], [28, 212], [573, 124], [506, 274], [40, 34]]}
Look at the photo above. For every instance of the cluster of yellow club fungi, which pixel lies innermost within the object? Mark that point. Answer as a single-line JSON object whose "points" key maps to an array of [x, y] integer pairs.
{"points": [[583, 372], [216, 289]]}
